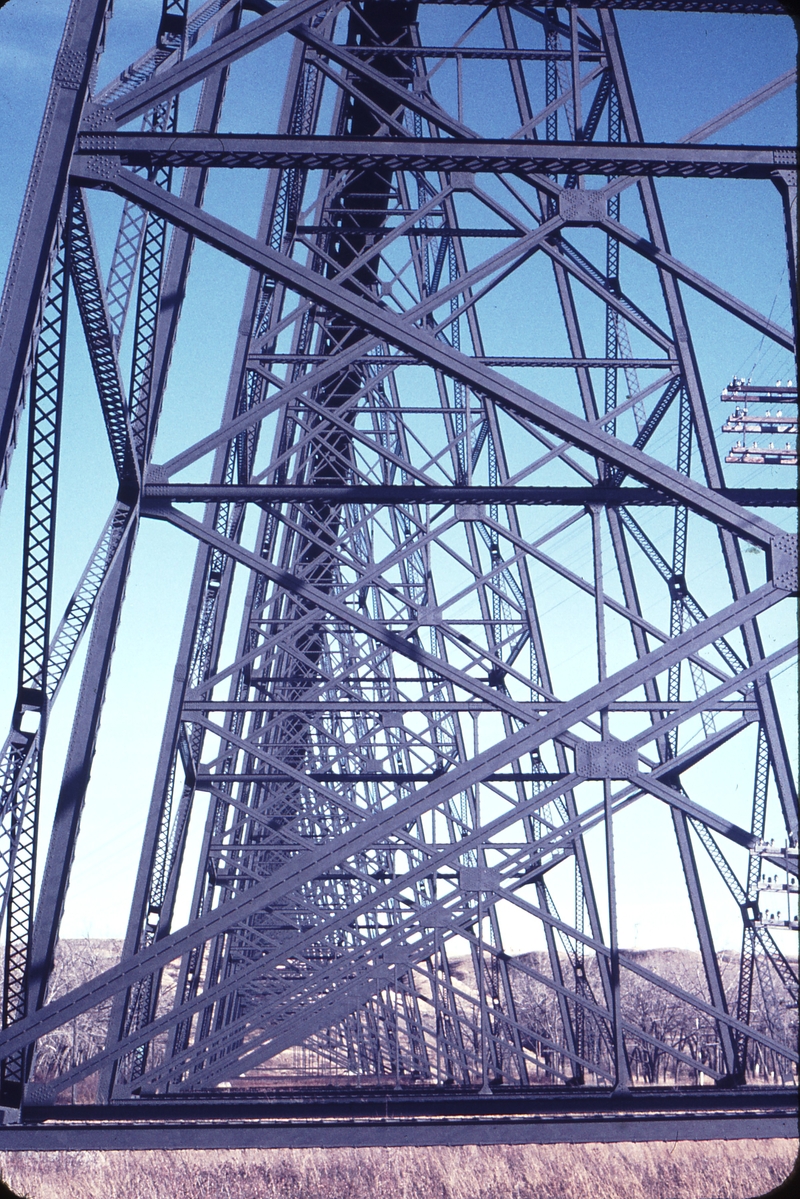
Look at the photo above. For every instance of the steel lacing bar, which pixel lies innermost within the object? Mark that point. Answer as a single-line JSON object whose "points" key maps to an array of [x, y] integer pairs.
{"points": [[100, 338], [46, 389], [147, 305], [17, 765], [123, 268], [164, 53], [76, 616]]}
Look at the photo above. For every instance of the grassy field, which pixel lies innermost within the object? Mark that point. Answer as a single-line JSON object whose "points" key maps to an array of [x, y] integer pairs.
{"points": [[691, 1170], [696, 1170]]}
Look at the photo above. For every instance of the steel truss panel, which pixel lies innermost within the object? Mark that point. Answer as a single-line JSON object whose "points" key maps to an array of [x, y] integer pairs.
{"points": [[449, 653]]}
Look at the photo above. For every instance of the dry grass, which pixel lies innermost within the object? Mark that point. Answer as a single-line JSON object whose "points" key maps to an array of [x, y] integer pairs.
{"points": [[693, 1170]]}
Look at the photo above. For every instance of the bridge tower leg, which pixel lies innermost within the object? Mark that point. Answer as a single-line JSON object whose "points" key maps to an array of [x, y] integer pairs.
{"points": [[471, 656]]}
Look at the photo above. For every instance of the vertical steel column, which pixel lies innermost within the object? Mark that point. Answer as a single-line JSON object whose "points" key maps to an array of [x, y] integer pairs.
{"points": [[30, 715], [75, 779], [551, 87], [750, 912], [612, 269], [786, 183], [25, 292], [162, 849], [77, 770]]}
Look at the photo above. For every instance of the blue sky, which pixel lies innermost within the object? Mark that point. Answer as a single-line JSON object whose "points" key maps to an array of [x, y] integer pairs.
{"points": [[684, 70]]}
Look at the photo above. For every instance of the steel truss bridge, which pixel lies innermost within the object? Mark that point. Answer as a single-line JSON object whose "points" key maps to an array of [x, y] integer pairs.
{"points": [[462, 665]]}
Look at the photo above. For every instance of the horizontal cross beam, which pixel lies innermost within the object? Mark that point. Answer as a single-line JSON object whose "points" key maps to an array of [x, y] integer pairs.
{"points": [[385, 707], [418, 1117], [259, 357], [267, 493], [770, 8], [435, 154]]}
